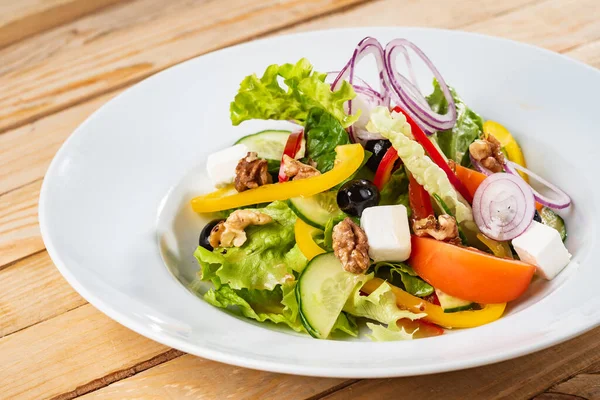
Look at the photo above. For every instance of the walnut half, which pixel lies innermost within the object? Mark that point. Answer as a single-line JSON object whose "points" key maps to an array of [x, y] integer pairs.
{"points": [[488, 152], [231, 232], [444, 228], [351, 247], [296, 170], [251, 172]]}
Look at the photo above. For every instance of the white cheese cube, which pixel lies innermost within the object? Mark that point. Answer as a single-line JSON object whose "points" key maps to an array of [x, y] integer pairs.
{"points": [[220, 166], [542, 246], [388, 232]]}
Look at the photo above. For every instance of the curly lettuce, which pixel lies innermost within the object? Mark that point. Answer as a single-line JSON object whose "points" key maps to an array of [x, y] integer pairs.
{"points": [[402, 275], [265, 98], [267, 259], [379, 306], [426, 172], [392, 332]]}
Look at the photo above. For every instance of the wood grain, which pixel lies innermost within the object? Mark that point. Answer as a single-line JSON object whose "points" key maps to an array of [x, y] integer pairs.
{"points": [[589, 53], [124, 56], [68, 351], [519, 378], [197, 378], [19, 230], [582, 385], [32, 290], [22, 18]]}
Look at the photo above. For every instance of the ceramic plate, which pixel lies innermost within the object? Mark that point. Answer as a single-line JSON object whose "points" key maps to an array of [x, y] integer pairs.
{"points": [[115, 218]]}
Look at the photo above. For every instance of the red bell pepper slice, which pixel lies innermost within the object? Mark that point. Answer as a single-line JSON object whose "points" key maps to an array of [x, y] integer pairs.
{"points": [[419, 199], [292, 147], [385, 168], [435, 155]]}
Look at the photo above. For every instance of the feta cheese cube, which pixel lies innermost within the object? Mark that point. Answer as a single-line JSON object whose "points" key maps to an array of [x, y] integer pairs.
{"points": [[220, 166], [388, 232], [542, 246]]}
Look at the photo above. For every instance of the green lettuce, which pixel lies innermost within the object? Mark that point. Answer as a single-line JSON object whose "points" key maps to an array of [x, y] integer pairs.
{"points": [[395, 191], [265, 98], [426, 172], [402, 275], [267, 259], [345, 324], [469, 126], [392, 332], [380, 306], [278, 305], [323, 134]]}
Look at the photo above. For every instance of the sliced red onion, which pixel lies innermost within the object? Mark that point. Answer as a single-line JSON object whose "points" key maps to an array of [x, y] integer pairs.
{"points": [[503, 206], [478, 166], [407, 93], [558, 201]]}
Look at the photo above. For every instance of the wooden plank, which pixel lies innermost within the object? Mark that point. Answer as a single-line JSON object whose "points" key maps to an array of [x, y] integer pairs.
{"points": [[124, 56], [26, 152], [22, 18], [583, 385], [69, 351], [32, 291], [197, 378], [19, 230], [447, 14], [519, 378], [589, 53]]}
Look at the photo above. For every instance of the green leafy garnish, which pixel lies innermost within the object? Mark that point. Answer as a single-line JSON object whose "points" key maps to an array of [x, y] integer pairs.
{"points": [[395, 191], [323, 134], [407, 277], [469, 126], [265, 98]]}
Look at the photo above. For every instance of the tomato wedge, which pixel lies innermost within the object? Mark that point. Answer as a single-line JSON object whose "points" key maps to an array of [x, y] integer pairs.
{"points": [[468, 273], [435, 155], [385, 168], [419, 199], [292, 147], [420, 328]]}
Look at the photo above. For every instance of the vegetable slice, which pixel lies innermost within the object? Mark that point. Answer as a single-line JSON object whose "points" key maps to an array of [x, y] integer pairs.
{"points": [[420, 202], [435, 313], [560, 199], [316, 210], [349, 159], [384, 170], [503, 206], [305, 239], [508, 142], [467, 273]]}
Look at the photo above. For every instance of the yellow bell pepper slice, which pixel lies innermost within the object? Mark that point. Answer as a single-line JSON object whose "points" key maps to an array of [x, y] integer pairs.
{"points": [[348, 159], [500, 249], [435, 313], [305, 239], [508, 142]]}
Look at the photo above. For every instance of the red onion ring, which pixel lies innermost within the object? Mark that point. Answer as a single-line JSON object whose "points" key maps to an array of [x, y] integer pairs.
{"points": [[503, 206], [562, 200], [408, 93]]}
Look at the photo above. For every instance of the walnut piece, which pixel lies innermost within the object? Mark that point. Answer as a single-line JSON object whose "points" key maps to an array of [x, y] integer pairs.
{"points": [[251, 172], [231, 232], [294, 169], [488, 151], [351, 247], [444, 228]]}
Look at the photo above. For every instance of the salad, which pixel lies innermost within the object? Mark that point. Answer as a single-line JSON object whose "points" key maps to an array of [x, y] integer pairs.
{"points": [[408, 212]]}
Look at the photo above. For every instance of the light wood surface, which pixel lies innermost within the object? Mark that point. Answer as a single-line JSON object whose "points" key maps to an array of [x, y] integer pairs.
{"points": [[62, 59]]}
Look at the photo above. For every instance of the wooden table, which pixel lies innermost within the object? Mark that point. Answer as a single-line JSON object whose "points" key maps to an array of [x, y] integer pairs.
{"points": [[62, 59]]}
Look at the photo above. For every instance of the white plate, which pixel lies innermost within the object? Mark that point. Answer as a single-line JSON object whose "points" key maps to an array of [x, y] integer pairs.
{"points": [[114, 201]]}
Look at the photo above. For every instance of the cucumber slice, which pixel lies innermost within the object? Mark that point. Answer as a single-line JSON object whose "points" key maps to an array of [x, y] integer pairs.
{"points": [[554, 220], [269, 144], [316, 210], [322, 291], [452, 304]]}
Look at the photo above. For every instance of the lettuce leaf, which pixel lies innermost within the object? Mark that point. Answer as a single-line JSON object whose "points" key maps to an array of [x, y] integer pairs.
{"points": [[265, 98], [323, 134], [267, 259], [260, 305], [469, 126], [426, 172], [392, 332], [402, 275], [345, 324], [380, 306]]}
